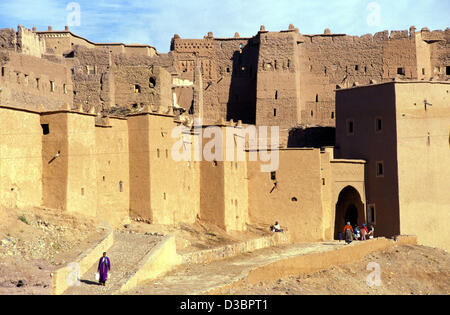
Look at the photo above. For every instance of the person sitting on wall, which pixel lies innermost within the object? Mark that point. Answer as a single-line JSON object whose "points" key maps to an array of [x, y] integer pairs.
{"points": [[348, 233], [276, 228]]}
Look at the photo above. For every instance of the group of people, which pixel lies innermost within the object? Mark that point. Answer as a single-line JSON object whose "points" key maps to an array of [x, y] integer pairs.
{"points": [[357, 234]]}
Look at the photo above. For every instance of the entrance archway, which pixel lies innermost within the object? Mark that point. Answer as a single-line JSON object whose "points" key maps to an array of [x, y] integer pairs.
{"points": [[349, 208]]}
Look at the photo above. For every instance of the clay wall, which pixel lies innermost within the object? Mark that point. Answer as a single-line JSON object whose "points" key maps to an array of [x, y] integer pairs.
{"points": [[20, 158], [362, 140], [29, 43], [223, 184], [440, 52], [112, 169], [163, 190], [295, 200], [55, 160], [278, 94], [423, 135], [29, 82], [8, 39]]}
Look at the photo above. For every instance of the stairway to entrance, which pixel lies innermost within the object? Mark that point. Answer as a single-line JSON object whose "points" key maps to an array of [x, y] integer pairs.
{"points": [[125, 254]]}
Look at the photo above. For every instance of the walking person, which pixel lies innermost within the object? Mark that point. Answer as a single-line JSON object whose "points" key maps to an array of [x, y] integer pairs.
{"points": [[104, 266]]}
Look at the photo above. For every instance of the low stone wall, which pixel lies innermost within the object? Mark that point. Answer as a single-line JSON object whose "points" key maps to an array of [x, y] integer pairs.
{"points": [[407, 240], [156, 263], [63, 277], [312, 263], [215, 254]]}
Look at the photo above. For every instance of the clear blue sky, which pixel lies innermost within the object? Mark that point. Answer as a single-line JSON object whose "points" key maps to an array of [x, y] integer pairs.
{"points": [[154, 22]]}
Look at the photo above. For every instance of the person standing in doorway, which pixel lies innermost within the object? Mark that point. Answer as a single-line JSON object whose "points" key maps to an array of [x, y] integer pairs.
{"points": [[348, 233]]}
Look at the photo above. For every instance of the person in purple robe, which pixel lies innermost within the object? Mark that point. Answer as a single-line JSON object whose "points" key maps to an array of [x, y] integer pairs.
{"points": [[104, 265]]}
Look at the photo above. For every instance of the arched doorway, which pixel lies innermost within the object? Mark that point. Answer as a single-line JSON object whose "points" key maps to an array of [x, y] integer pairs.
{"points": [[349, 208]]}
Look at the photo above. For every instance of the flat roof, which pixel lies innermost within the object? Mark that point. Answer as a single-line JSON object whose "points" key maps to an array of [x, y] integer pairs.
{"points": [[393, 82], [92, 43]]}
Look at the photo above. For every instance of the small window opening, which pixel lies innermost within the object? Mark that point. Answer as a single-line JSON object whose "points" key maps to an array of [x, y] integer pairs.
{"points": [[52, 86], [332, 115], [357, 68], [273, 175], [380, 169], [317, 98], [276, 95], [157, 152], [312, 113], [401, 71], [121, 186], [152, 82], [350, 127], [45, 129], [371, 214], [294, 199], [379, 124], [274, 112], [423, 71], [447, 70], [3, 71], [137, 89]]}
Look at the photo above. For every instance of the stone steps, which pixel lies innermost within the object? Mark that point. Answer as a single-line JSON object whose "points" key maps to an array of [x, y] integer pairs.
{"points": [[125, 255]]}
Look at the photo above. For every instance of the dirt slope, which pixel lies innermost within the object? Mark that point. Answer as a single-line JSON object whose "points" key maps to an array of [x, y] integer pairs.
{"points": [[404, 270]]}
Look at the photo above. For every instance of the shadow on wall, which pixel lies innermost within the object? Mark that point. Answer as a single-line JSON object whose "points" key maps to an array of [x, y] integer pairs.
{"points": [[242, 95], [316, 137]]}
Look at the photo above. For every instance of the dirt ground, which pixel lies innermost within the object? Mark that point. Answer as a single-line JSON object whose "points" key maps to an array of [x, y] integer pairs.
{"points": [[35, 242], [404, 270]]}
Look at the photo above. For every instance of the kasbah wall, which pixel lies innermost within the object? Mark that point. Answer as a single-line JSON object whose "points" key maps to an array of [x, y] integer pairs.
{"points": [[86, 127]]}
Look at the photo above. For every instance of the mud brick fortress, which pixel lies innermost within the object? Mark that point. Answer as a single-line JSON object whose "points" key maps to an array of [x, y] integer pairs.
{"points": [[365, 129]]}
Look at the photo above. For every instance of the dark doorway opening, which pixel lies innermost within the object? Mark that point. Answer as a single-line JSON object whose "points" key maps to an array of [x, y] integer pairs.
{"points": [[349, 208], [351, 215]]}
